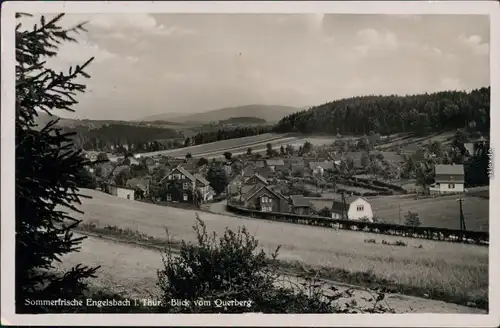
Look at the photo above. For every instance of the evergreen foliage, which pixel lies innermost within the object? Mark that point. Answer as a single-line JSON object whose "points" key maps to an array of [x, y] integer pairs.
{"points": [[48, 170]]}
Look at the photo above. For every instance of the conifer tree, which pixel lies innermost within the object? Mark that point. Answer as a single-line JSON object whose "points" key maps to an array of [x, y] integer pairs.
{"points": [[48, 169]]}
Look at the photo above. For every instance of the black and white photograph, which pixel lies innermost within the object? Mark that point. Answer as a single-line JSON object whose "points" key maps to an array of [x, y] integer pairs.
{"points": [[240, 161]]}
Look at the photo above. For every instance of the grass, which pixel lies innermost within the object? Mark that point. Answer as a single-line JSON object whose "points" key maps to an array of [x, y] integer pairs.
{"points": [[441, 212], [446, 271], [239, 146]]}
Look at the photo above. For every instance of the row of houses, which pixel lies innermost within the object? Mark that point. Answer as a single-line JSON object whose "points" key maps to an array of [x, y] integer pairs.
{"points": [[178, 185], [256, 193]]}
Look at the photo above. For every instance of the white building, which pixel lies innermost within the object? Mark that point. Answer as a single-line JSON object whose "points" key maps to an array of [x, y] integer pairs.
{"points": [[356, 208], [122, 192], [448, 179]]}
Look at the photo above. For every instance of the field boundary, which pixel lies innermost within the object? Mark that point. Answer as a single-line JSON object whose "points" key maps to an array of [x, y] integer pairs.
{"points": [[193, 148], [431, 233], [352, 280]]}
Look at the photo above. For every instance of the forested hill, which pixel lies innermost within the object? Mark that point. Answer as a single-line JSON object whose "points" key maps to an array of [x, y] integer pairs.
{"points": [[394, 114]]}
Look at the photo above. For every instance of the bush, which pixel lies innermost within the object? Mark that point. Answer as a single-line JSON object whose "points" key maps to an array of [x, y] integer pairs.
{"points": [[231, 268], [412, 219]]}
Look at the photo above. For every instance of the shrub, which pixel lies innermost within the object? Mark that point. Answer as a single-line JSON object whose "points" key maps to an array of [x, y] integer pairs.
{"points": [[232, 268], [412, 219]]}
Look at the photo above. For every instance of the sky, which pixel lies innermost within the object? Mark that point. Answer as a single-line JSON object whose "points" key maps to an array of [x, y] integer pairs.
{"points": [[147, 64]]}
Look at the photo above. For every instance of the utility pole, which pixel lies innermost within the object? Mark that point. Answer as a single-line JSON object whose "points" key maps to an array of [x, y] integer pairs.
{"points": [[344, 208], [399, 214], [462, 219]]}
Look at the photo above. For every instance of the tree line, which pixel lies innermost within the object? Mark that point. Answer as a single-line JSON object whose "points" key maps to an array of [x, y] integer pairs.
{"points": [[419, 114], [112, 136], [224, 134]]}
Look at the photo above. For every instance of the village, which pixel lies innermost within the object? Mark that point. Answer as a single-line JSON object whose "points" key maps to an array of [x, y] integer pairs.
{"points": [[340, 180]]}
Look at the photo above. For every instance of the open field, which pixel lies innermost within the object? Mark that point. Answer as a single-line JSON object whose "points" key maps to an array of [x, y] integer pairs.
{"points": [[222, 145], [239, 146], [412, 143], [454, 272], [130, 271], [440, 212]]}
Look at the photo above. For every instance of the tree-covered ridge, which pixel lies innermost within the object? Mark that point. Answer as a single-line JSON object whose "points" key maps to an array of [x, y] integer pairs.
{"points": [[224, 134], [395, 114], [111, 136]]}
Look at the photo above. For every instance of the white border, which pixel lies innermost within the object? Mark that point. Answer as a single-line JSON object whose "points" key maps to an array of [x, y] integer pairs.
{"points": [[369, 7]]}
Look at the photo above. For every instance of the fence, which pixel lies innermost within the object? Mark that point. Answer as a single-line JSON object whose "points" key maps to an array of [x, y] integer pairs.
{"points": [[440, 234]]}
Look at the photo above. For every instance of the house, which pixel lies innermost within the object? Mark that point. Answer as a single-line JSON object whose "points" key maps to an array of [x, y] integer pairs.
{"points": [[190, 165], [300, 205], [320, 167], [256, 179], [242, 185], [470, 148], [355, 208], [264, 172], [91, 155], [293, 161], [148, 161], [336, 158], [272, 163], [234, 186], [448, 179], [263, 198], [257, 163], [122, 192], [140, 185], [182, 186]]}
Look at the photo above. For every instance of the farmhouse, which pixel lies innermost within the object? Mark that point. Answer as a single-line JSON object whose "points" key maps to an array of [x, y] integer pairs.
{"points": [[182, 186], [122, 192], [448, 179], [355, 208], [263, 198], [300, 205]]}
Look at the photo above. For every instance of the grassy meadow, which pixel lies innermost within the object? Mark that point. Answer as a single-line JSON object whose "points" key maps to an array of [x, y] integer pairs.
{"points": [[439, 270]]}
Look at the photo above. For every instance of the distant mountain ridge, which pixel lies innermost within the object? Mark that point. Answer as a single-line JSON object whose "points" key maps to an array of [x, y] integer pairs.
{"points": [[269, 113]]}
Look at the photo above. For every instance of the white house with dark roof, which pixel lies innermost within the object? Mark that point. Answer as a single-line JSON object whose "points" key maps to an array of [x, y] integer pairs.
{"points": [[448, 179], [355, 207]]}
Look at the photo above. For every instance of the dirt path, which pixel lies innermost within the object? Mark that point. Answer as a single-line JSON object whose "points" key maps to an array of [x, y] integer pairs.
{"points": [[130, 270]]}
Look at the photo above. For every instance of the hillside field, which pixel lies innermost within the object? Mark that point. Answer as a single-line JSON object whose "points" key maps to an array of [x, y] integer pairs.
{"points": [[130, 271], [457, 271], [440, 212], [238, 146]]}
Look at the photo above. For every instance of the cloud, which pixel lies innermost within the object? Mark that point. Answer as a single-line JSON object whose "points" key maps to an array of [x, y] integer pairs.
{"points": [[375, 40], [475, 43]]}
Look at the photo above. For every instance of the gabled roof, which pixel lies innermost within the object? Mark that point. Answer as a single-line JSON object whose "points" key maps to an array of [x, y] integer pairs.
{"points": [[260, 177], [299, 201], [442, 169], [140, 183], [181, 170], [258, 188], [274, 162], [202, 179]]}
